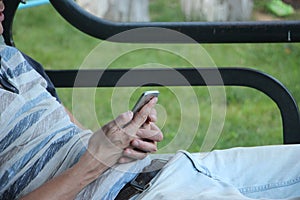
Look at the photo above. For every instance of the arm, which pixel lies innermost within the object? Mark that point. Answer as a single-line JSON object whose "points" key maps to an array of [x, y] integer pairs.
{"points": [[74, 120], [67, 185], [105, 148], [146, 141]]}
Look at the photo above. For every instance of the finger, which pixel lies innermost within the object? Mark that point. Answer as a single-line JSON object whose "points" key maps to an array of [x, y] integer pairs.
{"points": [[134, 154], [140, 117], [146, 125], [118, 123], [124, 160], [159, 136], [152, 116], [144, 145], [123, 119], [154, 133]]}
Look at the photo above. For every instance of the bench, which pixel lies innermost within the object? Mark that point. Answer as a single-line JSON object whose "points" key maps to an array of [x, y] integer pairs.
{"points": [[32, 3], [232, 32]]}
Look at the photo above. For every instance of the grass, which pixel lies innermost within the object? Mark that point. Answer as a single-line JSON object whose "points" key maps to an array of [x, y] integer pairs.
{"points": [[184, 112]]}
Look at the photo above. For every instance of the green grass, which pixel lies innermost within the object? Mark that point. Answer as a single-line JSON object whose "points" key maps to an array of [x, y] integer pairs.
{"points": [[165, 11], [184, 112], [260, 5]]}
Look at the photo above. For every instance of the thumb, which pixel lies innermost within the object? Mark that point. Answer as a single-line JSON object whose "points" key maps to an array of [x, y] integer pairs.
{"points": [[124, 118]]}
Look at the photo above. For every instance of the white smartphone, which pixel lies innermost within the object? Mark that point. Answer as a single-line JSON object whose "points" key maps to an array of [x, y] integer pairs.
{"points": [[144, 99]]}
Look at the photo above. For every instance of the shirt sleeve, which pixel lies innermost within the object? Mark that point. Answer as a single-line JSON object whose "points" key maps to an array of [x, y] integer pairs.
{"points": [[39, 68]]}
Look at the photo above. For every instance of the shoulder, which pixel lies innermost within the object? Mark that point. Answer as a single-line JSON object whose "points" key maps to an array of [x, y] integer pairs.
{"points": [[12, 62], [8, 52], [15, 62]]}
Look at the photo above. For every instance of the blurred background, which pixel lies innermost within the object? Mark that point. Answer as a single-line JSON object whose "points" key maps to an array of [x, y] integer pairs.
{"points": [[251, 117]]}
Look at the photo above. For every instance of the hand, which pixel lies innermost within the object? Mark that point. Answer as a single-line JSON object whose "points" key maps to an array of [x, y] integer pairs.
{"points": [[146, 142], [108, 143], [105, 148], [142, 146]]}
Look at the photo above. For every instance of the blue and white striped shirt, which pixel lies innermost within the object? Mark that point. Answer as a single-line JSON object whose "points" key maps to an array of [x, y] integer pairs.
{"points": [[37, 139]]}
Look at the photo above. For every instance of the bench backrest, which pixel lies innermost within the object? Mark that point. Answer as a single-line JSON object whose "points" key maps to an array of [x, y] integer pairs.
{"points": [[242, 32]]}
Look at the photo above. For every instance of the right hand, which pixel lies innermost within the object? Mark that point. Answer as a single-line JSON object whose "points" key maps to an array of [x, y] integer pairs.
{"points": [[108, 143], [149, 135]]}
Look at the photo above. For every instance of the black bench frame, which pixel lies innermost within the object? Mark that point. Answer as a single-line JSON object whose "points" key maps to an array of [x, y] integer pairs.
{"points": [[233, 32]]}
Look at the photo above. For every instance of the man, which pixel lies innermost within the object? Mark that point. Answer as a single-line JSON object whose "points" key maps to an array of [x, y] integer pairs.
{"points": [[43, 150], [44, 155]]}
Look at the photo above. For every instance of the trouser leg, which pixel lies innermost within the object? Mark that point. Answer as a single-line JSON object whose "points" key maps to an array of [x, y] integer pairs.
{"points": [[258, 172]]}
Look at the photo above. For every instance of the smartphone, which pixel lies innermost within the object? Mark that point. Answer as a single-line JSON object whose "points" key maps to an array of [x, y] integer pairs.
{"points": [[144, 99]]}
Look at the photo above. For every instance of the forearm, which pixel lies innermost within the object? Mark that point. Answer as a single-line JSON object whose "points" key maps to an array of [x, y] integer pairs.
{"points": [[67, 185], [74, 120]]}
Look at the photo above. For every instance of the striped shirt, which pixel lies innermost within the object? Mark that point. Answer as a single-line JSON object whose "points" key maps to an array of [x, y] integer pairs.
{"points": [[37, 139]]}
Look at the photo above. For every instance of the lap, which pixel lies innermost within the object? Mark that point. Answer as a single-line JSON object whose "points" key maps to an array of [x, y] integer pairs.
{"points": [[241, 173]]}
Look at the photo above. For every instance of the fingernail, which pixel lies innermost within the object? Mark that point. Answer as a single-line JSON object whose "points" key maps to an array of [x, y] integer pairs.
{"points": [[155, 99], [121, 160], [127, 151], [130, 114], [135, 143]]}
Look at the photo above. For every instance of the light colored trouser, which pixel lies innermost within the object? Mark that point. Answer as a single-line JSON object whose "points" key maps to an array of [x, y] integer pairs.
{"points": [[268, 172]]}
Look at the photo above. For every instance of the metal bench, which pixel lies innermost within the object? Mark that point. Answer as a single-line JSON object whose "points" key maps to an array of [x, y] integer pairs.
{"points": [[32, 3], [233, 32]]}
